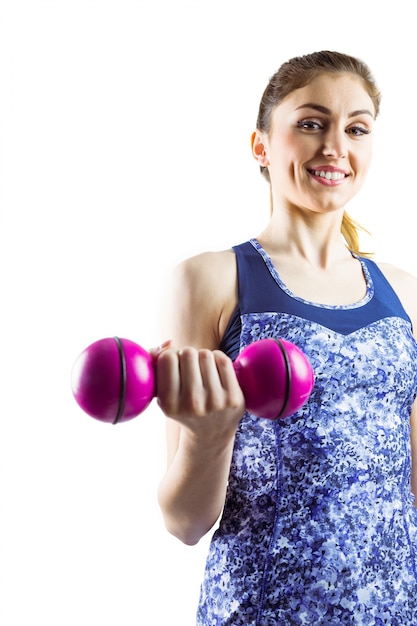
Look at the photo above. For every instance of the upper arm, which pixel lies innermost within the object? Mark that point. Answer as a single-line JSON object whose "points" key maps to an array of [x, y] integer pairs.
{"points": [[405, 285], [201, 298]]}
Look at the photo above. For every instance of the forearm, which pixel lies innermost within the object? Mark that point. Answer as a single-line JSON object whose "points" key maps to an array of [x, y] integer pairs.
{"points": [[192, 492], [199, 392]]}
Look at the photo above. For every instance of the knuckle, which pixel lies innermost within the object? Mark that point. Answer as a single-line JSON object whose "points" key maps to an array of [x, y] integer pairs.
{"points": [[205, 354], [221, 358], [235, 400], [187, 353], [196, 404]]}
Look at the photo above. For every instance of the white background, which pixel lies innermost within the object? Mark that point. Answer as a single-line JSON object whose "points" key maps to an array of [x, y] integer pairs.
{"points": [[125, 133]]}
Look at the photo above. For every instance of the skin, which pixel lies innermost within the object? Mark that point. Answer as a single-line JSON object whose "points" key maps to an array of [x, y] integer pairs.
{"points": [[326, 127]]}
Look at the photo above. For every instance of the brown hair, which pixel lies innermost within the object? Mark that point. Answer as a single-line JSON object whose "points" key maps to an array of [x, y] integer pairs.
{"points": [[299, 72]]}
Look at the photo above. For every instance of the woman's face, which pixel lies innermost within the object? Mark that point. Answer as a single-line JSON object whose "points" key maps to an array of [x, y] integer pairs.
{"points": [[318, 150]]}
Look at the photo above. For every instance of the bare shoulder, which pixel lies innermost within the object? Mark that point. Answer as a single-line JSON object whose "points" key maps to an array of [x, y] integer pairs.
{"points": [[399, 278], [203, 295], [405, 284], [206, 265]]}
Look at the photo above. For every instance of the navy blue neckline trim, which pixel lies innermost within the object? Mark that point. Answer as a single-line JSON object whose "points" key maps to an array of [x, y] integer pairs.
{"points": [[341, 307]]}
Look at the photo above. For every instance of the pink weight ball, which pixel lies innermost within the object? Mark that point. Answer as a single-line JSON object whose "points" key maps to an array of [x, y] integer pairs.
{"points": [[113, 380], [275, 376]]}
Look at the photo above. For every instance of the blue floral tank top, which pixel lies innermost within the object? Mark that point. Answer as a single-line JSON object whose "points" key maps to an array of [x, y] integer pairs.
{"points": [[319, 525]]}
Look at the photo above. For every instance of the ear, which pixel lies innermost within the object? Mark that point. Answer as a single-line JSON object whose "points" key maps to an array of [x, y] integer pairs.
{"points": [[259, 148]]}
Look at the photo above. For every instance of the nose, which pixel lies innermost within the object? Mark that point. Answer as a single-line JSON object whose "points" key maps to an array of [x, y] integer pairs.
{"points": [[335, 144]]}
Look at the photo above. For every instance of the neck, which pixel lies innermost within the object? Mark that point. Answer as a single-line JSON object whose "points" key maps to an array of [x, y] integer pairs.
{"points": [[315, 238]]}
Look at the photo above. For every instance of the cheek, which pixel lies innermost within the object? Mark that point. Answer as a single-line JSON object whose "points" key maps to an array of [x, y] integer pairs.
{"points": [[295, 146], [364, 159], [288, 152]]}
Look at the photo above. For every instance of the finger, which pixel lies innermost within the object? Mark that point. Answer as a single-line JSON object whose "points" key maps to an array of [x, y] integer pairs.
{"points": [[221, 387], [208, 369], [168, 380], [214, 396], [192, 387], [226, 372], [228, 378]]}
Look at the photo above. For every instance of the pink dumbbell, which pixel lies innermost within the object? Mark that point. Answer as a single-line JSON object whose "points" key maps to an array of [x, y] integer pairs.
{"points": [[113, 380]]}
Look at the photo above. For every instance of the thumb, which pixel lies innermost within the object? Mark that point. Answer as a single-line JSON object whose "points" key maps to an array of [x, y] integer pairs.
{"points": [[155, 352]]}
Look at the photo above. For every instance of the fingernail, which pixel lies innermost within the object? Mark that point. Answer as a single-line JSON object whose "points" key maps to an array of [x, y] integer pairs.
{"points": [[164, 345]]}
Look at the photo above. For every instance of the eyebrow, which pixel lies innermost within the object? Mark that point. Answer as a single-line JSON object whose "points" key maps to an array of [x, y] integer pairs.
{"points": [[323, 109]]}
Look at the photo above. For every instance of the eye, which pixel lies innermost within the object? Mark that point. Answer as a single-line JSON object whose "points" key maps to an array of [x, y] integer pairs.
{"points": [[309, 125], [358, 131]]}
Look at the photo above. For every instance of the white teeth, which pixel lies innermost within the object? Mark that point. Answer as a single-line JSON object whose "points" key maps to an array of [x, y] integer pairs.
{"points": [[329, 175]]}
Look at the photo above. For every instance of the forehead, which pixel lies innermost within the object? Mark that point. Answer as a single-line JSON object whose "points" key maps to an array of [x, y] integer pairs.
{"points": [[340, 93]]}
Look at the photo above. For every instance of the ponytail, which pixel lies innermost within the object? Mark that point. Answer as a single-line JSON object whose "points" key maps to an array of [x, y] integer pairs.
{"points": [[350, 232]]}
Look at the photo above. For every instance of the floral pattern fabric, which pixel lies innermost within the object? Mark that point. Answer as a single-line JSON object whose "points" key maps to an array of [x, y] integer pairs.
{"points": [[319, 525]]}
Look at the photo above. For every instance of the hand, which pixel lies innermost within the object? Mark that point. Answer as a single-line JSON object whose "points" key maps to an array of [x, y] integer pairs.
{"points": [[199, 389]]}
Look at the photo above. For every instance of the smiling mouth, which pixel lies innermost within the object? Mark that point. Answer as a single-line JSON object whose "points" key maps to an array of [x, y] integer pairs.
{"points": [[328, 175]]}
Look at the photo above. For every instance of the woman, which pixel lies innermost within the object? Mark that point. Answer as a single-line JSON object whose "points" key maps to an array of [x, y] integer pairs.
{"points": [[317, 522]]}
